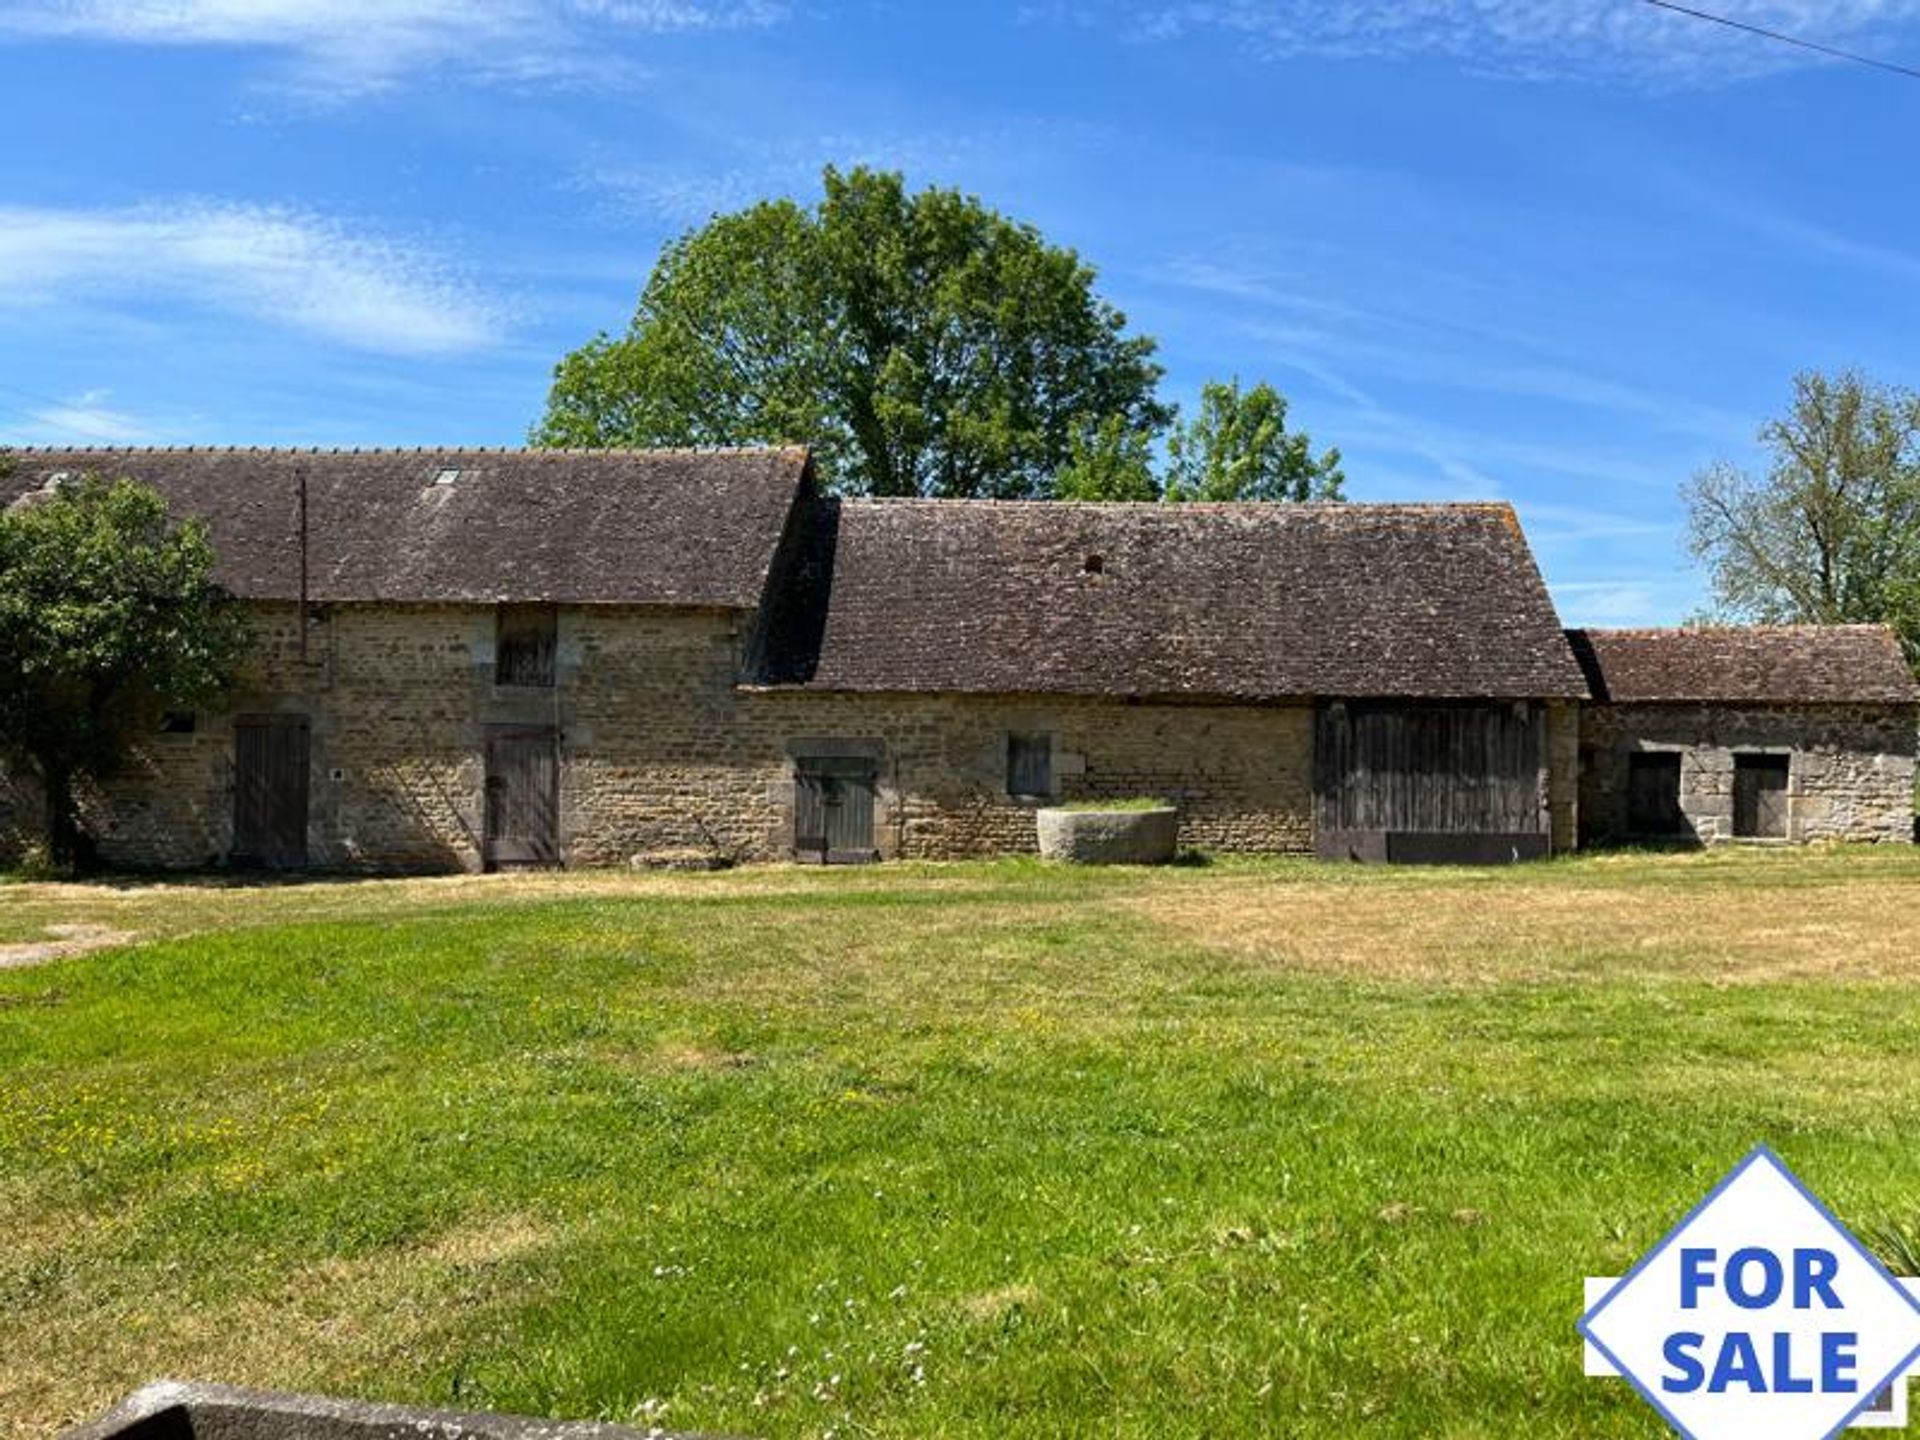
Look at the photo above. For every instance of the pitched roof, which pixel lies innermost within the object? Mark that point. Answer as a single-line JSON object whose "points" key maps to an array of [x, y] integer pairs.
{"points": [[1152, 600], [665, 527], [1761, 664]]}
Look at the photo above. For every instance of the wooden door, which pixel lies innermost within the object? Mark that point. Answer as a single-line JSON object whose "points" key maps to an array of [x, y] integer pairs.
{"points": [[1760, 796], [523, 798], [1429, 780], [1653, 794], [833, 805], [270, 778]]}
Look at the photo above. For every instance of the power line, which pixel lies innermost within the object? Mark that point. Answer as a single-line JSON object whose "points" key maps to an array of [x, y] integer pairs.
{"points": [[1830, 51]]}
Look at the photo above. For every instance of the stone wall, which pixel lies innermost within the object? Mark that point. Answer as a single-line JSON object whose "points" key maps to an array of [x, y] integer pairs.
{"points": [[22, 817], [1850, 777], [661, 752]]}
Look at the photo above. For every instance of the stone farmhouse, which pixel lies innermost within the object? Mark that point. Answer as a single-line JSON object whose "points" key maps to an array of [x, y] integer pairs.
{"points": [[473, 659]]}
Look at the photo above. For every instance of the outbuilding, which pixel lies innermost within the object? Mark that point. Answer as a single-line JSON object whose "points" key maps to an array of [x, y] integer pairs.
{"points": [[1762, 733]]}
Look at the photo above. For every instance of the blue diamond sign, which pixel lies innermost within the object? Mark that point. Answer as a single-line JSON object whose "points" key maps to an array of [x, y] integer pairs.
{"points": [[1759, 1316]]}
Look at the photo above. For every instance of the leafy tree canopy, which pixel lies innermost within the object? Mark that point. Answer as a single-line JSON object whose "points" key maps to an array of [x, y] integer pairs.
{"points": [[922, 343], [107, 613], [1109, 460], [1238, 448], [1829, 533]]}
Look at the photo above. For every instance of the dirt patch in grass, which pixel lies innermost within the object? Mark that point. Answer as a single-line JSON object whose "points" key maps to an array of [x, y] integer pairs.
{"points": [[65, 940], [1455, 934], [990, 1305]]}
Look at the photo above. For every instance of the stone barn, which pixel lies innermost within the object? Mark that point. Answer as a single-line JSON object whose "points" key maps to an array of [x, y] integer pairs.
{"points": [[488, 659], [1782, 733]]}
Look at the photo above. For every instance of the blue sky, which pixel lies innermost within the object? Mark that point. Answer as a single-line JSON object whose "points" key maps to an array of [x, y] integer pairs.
{"points": [[1561, 252]]}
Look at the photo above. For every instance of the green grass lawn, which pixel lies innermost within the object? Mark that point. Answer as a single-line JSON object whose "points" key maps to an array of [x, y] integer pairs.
{"points": [[965, 1150]]}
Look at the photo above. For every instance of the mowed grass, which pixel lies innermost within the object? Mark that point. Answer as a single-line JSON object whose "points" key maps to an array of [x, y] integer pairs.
{"points": [[1254, 1148]]}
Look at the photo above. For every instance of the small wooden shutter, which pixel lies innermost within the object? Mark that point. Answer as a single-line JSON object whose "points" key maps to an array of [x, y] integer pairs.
{"points": [[1760, 796], [1029, 765], [270, 783]]}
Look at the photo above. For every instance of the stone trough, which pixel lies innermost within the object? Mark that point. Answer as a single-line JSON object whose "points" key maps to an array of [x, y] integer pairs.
{"points": [[178, 1410], [1110, 837]]}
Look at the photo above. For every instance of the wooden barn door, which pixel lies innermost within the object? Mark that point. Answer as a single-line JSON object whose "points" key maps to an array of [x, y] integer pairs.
{"points": [[270, 760], [833, 805], [1430, 781], [523, 798], [1760, 796]]}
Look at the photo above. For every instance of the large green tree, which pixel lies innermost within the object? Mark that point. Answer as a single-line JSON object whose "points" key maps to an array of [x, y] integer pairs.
{"points": [[108, 613], [922, 343], [1829, 532]]}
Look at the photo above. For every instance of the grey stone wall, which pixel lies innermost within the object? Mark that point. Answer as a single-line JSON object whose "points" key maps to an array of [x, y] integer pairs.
{"points": [[1850, 777]]}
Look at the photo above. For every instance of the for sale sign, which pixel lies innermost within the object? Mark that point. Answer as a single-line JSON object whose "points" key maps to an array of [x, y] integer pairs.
{"points": [[1758, 1317]]}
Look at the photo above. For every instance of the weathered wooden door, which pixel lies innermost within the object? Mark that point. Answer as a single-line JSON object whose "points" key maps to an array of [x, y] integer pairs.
{"points": [[523, 798], [833, 803], [1430, 781], [1760, 796], [1653, 794], [270, 760]]}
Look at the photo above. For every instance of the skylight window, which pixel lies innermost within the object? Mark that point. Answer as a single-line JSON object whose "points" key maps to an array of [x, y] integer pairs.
{"points": [[446, 477]]}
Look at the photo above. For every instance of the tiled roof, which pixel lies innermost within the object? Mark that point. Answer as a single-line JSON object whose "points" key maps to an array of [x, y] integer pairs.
{"points": [[1761, 664], [1257, 601], [661, 527]]}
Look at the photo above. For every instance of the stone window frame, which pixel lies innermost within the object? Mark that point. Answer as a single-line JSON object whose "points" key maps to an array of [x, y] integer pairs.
{"points": [[511, 624]]}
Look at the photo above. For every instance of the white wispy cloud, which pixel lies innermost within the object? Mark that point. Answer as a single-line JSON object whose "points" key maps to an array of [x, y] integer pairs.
{"points": [[277, 267], [335, 49], [83, 419], [1446, 343], [1628, 600], [1528, 39], [686, 193]]}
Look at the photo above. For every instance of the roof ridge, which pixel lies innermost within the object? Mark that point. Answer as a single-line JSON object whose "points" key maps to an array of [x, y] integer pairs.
{"points": [[1734, 627], [529, 451], [1173, 507]]}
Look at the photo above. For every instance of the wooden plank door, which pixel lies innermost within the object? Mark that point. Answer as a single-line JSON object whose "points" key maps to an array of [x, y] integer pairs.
{"points": [[1653, 794], [1760, 796], [1389, 771], [833, 809], [523, 798], [270, 780]]}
